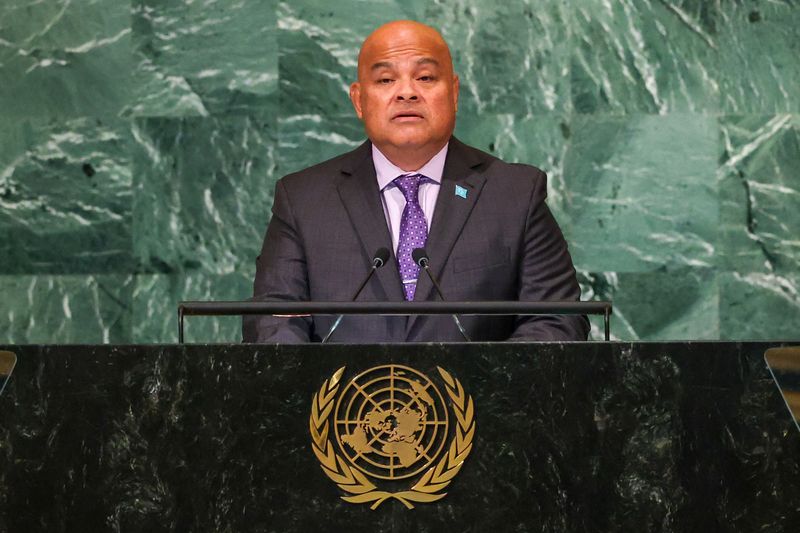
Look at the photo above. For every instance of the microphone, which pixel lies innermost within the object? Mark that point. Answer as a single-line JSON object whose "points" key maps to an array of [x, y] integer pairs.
{"points": [[379, 259], [420, 257]]}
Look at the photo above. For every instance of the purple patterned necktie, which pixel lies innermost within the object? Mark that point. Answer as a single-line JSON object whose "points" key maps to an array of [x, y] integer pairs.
{"points": [[413, 231]]}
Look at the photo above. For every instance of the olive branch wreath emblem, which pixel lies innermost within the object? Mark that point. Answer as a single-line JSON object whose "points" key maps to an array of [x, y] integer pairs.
{"points": [[352, 481]]}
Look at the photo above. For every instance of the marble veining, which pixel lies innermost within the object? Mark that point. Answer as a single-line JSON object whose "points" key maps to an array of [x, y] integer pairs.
{"points": [[142, 140], [569, 437]]}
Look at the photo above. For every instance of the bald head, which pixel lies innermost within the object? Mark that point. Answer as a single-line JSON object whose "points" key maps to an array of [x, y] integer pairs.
{"points": [[406, 93], [397, 35]]}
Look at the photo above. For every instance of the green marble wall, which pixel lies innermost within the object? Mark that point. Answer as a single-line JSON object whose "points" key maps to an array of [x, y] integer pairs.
{"points": [[140, 141]]}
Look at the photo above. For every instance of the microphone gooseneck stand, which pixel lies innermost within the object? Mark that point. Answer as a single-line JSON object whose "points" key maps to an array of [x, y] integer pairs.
{"points": [[420, 257], [379, 259]]}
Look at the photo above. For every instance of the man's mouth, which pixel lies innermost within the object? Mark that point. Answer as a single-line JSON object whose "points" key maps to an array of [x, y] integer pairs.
{"points": [[407, 117]]}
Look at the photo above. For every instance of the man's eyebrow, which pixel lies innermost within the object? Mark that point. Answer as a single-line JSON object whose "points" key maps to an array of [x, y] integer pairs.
{"points": [[382, 64], [427, 61]]}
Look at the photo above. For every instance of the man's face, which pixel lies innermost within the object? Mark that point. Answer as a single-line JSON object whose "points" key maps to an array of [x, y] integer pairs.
{"points": [[406, 93]]}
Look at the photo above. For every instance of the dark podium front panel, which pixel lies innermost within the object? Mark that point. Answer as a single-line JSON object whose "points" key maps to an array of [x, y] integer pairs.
{"points": [[505, 437]]}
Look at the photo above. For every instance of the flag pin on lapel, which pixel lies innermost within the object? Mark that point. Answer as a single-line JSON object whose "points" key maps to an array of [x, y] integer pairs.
{"points": [[461, 191]]}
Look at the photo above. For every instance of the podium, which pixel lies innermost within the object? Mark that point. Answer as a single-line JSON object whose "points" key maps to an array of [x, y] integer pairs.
{"points": [[593, 437]]}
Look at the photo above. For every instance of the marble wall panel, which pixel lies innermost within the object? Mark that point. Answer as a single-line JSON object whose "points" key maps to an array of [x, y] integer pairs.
{"points": [[512, 57], [759, 43], [203, 191], [157, 94], [320, 42], [65, 196], [644, 56], [759, 188], [318, 51], [143, 139], [66, 309], [64, 59], [220, 55], [758, 305], [321, 135], [678, 304], [642, 192], [156, 298]]}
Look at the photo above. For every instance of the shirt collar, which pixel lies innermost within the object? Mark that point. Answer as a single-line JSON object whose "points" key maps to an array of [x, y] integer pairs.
{"points": [[387, 171]]}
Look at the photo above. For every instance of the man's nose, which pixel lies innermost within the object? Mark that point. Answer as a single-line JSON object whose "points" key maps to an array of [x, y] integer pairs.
{"points": [[406, 91]]}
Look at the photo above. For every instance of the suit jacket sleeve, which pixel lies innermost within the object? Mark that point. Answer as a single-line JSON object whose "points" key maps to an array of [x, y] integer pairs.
{"points": [[281, 275], [546, 273]]}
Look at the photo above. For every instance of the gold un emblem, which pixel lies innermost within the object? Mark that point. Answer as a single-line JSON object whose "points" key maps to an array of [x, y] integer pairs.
{"points": [[392, 430]]}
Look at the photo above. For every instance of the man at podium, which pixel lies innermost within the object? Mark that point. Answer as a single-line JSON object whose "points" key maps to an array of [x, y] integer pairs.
{"points": [[484, 226]]}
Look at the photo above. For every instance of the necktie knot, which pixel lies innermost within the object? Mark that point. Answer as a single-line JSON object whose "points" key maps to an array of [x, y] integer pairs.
{"points": [[409, 185]]}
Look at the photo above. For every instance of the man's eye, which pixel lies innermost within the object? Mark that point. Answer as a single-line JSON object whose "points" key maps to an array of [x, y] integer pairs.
{"points": [[385, 81], [426, 78]]}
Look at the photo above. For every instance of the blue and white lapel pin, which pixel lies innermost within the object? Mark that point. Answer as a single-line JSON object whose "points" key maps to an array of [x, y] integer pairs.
{"points": [[461, 191]]}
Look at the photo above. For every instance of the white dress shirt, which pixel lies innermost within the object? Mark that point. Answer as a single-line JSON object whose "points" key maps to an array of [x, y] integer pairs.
{"points": [[393, 200]]}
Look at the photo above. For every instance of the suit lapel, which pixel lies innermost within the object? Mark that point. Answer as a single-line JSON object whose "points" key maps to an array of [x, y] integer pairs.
{"points": [[358, 191], [450, 215]]}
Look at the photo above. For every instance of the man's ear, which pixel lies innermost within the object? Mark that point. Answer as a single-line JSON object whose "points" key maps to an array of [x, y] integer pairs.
{"points": [[355, 97]]}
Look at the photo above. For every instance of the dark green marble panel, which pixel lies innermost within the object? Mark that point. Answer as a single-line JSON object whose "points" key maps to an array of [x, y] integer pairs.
{"points": [[313, 83], [758, 305], [321, 135], [64, 59], [642, 192], [203, 190], [319, 45], [759, 187], [65, 196], [156, 298], [759, 226], [650, 56], [512, 57], [539, 140], [320, 42], [66, 309], [219, 56], [679, 304], [161, 95], [759, 43], [224, 97]]}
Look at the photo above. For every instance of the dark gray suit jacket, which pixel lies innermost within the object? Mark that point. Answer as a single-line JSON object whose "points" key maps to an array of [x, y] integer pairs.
{"points": [[499, 243]]}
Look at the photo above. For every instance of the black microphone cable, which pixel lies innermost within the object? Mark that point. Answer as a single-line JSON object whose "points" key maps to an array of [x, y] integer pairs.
{"points": [[379, 259]]}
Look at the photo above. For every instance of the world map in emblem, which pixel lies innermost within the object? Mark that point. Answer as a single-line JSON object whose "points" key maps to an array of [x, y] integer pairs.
{"points": [[391, 422]]}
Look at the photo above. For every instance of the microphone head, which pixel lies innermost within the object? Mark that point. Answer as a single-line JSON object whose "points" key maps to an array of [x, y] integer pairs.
{"points": [[381, 256], [420, 257]]}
